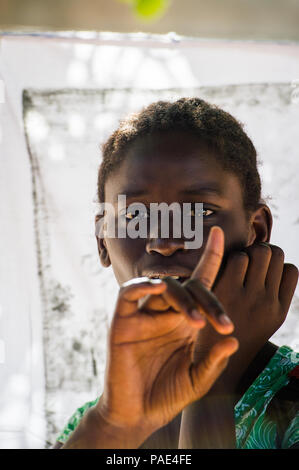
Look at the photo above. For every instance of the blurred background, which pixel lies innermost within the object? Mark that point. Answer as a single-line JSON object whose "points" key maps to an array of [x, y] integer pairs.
{"points": [[69, 71], [236, 19]]}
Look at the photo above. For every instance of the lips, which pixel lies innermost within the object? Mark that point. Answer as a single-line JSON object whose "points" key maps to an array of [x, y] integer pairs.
{"points": [[159, 272]]}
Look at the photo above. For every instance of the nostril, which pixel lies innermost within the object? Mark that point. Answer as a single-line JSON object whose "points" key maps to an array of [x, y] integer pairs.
{"points": [[164, 246]]}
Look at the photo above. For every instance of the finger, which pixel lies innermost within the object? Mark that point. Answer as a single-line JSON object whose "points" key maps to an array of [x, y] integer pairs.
{"points": [[208, 304], [259, 260], [236, 268], [151, 303], [275, 271], [181, 301], [196, 302], [204, 374], [215, 246], [131, 291], [210, 262], [287, 286], [177, 298]]}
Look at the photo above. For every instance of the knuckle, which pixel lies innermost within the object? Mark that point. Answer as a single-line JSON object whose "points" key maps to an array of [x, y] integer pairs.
{"points": [[259, 249], [239, 257], [263, 248], [193, 284], [214, 254], [206, 299], [277, 252], [206, 282]]}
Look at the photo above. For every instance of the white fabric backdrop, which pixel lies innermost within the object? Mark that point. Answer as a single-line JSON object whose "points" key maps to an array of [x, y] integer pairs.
{"points": [[55, 299]]}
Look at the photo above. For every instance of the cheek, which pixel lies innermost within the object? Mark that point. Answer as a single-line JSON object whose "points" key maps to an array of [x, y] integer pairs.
{"points": [[236, 233], [235, 228], [124, 254]]}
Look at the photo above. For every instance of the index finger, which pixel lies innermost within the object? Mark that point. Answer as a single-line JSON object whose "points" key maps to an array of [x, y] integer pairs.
{"points": [[210, 262], [133, 290]]}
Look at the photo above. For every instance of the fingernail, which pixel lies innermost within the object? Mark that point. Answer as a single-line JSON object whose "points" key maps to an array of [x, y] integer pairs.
{"points": [[197, 315], [224, 319]]}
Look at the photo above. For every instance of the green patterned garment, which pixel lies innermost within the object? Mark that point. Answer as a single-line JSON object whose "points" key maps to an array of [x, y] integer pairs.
{"points": [[254, 427]]}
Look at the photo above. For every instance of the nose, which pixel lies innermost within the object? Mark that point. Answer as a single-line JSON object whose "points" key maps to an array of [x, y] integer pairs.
{"points": [[164, 246]]}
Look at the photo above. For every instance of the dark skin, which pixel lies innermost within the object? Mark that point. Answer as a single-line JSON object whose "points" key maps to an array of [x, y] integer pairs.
{"points": [[187, 168], [193, 175]]}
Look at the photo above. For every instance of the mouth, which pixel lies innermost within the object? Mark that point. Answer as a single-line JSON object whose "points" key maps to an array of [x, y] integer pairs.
{"points": [[177, 278], [180, 275]]}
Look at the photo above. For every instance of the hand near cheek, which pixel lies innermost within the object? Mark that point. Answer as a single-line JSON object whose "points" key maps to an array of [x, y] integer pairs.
{"points": [[255, 289]]}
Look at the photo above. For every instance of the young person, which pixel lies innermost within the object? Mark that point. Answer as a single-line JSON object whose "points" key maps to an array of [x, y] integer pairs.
{"points": [[173, 380]]}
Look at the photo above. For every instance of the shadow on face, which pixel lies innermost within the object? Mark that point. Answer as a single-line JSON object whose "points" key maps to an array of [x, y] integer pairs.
{"points": [[176, 167]]}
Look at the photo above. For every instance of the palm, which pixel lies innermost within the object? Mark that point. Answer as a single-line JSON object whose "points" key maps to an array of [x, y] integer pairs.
{"points": [[151, 375], [153, 352]]}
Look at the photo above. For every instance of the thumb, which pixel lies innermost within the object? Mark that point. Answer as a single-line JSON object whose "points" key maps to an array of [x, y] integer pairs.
{"points": [[205, 373]]}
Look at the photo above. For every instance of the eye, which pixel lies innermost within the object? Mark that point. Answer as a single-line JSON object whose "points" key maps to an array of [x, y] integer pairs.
{"points": [[207, 212], [204, 212], [139, 214]]}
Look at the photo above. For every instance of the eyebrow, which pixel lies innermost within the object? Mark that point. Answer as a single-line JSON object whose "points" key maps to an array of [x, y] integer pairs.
{"points": [[214, 189], [135, 192]]}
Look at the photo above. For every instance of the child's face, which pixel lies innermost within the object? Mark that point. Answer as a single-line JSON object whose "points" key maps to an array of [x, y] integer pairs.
{"points": [[173, 168]]}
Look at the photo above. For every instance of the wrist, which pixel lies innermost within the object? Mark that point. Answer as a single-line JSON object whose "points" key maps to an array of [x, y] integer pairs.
{"points": [[121, 436], [95, 431]]}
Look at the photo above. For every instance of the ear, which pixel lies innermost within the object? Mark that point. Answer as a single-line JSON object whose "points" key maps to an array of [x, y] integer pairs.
{"points": [[102, 248], [260, 225]]}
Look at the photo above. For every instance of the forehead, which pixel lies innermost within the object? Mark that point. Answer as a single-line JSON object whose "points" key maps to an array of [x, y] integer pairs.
{"points": [[171, 165]]}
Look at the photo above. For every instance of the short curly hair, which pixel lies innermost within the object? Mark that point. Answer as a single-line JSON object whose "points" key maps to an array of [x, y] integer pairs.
{"points": [[218, 129]]}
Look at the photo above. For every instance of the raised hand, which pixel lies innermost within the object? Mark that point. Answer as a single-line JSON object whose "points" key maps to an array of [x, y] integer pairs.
{"points": [[150, 373]]}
